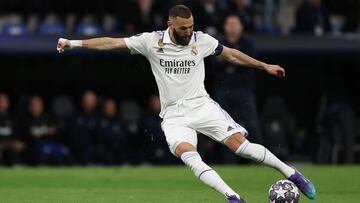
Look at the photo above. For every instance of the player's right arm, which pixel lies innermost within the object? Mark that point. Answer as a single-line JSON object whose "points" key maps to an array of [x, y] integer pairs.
{"points": [[103, 43], [237, 57]]}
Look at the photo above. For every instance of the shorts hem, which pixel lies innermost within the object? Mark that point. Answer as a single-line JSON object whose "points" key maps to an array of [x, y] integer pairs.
{"points": [[231, 132]]}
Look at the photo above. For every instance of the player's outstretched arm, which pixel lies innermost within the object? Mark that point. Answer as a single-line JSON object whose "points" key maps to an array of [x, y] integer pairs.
{"points": [[103, 43], [238, 57]]}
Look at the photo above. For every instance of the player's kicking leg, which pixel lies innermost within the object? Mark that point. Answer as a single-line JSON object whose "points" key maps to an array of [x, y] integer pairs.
{"points": [[205, 173], [242, 147]]}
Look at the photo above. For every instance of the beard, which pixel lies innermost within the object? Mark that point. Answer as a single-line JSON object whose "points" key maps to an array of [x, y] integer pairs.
{"points": [[182, 40]]}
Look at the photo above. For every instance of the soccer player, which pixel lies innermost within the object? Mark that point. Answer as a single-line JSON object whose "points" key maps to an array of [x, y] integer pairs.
{"points": [[176, 56]]}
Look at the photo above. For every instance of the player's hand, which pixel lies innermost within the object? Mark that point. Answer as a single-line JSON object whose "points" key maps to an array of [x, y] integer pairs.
{"points": [[62, 45], [275, 70]]}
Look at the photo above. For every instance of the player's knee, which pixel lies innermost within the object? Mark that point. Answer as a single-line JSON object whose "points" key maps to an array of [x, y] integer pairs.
{"points": [[184, 147], [235, 141]]}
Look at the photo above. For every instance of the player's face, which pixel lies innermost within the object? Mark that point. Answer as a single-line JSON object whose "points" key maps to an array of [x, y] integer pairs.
{"points": [[182, 29]]}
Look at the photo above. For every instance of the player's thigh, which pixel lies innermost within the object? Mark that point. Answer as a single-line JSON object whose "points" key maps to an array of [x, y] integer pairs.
{"points": [[176, 134], [216, 123]]}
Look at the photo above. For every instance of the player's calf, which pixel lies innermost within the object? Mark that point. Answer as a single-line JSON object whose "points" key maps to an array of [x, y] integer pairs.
{"points": [[260, 154], [206, 174]]}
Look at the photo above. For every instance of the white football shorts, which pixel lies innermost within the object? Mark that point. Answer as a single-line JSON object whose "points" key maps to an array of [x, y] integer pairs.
{"points": [[182, 121]]}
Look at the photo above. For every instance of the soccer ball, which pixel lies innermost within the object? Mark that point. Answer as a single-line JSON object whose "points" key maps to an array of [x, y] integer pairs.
{"points": [[284, 191]]}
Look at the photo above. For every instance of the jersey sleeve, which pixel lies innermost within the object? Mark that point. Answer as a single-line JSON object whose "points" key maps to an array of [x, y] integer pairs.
{"points": [[139, 44], [213, 47]]}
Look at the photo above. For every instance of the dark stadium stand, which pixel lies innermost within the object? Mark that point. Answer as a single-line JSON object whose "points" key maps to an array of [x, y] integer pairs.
{"points": [[349, 43]]}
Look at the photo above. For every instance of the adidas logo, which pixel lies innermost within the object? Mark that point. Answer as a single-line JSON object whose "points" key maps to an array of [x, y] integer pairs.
{"points": [[160, 50], [230, 128]]}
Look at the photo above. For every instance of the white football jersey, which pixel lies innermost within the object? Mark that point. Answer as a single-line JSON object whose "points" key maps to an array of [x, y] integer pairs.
{"points": [[179, 70]]}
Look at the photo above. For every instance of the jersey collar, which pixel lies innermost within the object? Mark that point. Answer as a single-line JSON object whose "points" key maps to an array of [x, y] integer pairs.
{"points": [[167, 40]]}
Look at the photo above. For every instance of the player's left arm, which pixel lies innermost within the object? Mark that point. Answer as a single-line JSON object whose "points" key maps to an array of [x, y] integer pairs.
{"points": [[237, 57]]}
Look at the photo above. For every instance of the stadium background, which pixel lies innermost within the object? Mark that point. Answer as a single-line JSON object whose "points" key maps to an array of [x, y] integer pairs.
{"points": [[319, 98]]}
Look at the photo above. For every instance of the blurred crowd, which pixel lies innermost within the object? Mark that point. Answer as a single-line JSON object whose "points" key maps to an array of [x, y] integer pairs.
{"points": [[113, 17], [99, 131], [104, 131]]}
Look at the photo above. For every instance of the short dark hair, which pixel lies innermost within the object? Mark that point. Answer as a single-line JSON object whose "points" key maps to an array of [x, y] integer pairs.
{"points": [[180, 11]]}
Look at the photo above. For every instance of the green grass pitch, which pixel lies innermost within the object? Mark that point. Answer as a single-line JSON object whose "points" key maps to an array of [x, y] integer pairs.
{"points": [[335, 184]]}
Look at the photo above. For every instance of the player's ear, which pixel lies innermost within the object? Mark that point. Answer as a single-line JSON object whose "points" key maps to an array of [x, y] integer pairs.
{"points": [[169, 23]]}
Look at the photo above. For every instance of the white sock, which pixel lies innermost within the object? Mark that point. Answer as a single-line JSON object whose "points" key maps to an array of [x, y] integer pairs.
{"points": [[260, 154], [206, 174]]}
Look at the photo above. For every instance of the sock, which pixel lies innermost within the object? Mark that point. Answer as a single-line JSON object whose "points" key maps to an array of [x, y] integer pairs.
{"points": [[206, 174], [260, 154]]}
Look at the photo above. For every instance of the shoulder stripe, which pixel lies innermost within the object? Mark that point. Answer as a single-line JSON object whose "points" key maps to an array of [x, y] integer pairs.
{"points": [[161, 33]]}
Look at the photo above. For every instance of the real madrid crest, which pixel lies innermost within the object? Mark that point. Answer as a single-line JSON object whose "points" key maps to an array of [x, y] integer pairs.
{"points": [[161, 45], [194, 50]]}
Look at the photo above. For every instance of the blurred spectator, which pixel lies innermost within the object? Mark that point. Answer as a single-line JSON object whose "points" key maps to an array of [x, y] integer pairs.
{"points": [[244, 10], [234, 84], [82, 129], [141, 15], [14, 25], [337, 138], [110, 24], [111, 139], [10, 144], [352, 22], [209, 16], [278, 127], [156, 142], [62, 106], [130, 114], [273, 10], [312, 17], [40, 131], [88, 26], [51, 26]]}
